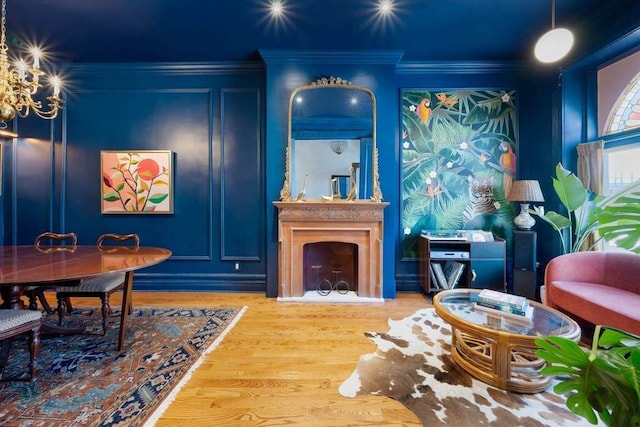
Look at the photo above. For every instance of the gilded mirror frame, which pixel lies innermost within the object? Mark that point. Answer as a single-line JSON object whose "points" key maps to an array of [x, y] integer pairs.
{"points": [[338, 83]]}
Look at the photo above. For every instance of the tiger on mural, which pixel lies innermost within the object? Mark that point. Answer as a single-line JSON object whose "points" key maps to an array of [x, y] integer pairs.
{"points": [[480, 198]]}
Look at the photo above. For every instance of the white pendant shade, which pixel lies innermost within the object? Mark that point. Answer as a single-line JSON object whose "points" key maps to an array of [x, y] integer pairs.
{"points": [[554, 45]]}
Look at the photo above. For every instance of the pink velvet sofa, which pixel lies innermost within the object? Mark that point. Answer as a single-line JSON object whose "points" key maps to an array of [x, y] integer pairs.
{"points": [[602, 288]]}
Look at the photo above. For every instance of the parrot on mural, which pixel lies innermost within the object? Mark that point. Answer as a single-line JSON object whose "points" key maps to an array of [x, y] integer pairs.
{"points": [[424, 110], [508, 163]]}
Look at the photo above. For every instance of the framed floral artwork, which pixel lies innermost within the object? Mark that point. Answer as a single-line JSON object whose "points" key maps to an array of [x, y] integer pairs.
{"points": [[137, 182]]}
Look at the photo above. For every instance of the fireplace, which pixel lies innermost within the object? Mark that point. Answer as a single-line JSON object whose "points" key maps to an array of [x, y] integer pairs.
{"points": [[330, 266], [356, 225]]}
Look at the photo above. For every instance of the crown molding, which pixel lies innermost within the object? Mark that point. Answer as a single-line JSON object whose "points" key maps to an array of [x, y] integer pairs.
{"points": [[458, 67], [378, 57], [169, 68]]}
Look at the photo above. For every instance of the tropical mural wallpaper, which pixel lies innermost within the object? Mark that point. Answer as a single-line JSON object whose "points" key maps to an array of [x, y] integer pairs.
{"points": [[458, 162]]}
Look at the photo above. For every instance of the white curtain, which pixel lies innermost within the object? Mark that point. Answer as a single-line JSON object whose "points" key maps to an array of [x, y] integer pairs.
{"points": [[590, 165], [590, 171]]}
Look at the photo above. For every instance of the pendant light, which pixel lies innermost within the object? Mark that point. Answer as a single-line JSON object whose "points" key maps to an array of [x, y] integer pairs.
{"points": [[554, 44]]}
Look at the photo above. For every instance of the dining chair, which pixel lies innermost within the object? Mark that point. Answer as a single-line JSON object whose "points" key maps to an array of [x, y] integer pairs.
{"points": [[12, 324], [47, 242], [101, 286]]}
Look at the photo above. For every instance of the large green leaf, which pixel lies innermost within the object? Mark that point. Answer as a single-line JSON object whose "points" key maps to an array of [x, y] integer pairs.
{"points": [[619, 218], [603, 383], [569, 189], [557, 221]]}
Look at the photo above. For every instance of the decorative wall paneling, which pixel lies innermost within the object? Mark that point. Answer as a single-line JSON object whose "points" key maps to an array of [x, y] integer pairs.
{"points": [[209, 116], [241, 168]]}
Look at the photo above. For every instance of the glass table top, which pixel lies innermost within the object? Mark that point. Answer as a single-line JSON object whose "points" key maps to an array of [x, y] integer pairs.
{"points": [[544, 320]]}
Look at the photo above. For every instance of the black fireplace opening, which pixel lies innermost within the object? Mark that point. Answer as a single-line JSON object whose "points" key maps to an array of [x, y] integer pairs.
{"points": [[330, 266]]}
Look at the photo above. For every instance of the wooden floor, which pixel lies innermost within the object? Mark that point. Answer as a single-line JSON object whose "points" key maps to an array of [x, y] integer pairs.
{"points": [[282, 363]]}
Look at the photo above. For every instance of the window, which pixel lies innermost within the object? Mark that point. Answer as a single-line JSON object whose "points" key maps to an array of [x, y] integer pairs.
{"points": [[619, 96], [619, 125], [621, 167], [625, 114], [619, 121]]}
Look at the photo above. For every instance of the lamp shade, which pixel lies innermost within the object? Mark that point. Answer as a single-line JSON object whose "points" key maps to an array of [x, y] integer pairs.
{"points": [[526, 190]]}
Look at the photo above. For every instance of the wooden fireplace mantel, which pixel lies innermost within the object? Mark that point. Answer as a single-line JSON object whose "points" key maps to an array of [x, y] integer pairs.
{"points": [[358, 222]]}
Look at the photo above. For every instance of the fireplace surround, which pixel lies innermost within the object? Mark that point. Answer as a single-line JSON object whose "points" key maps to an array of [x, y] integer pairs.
{"points": [[358, 222]]}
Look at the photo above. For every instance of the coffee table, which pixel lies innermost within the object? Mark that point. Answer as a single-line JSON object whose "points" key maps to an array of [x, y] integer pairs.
{"points": [[496, 349]]}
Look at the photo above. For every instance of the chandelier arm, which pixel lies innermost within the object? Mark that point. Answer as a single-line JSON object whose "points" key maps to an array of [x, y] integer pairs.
{"points": [[20, 84]]}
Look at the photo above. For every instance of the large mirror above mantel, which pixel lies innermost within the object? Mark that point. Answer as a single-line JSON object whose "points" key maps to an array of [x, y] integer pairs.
{"points": [[331, 151]]}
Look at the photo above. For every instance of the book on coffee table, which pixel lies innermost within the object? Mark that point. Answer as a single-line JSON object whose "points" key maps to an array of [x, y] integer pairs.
{"points": [[526, 316], [502, 300]]}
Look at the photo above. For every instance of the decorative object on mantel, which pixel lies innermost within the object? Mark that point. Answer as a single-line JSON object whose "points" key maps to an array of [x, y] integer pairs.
{"points": [[303, 192], [553, 45], [16, 90], [334, 183], [525, 191], [353, 191]]}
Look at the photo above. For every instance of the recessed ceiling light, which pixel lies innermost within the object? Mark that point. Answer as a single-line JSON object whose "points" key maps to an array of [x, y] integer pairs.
{"points": [[385, 15], [385, 7], [276, 15], [276, 8]]}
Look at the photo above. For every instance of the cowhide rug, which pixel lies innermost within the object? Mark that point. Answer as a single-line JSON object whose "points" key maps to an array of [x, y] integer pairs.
{"points": [[413, 365]]}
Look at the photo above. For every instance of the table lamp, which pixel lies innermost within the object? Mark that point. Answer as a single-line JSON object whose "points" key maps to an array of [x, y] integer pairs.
{"points": [[525, 191]]}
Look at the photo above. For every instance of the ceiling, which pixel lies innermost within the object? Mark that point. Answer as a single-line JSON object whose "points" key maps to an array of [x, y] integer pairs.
{"points": [[234, 30]]}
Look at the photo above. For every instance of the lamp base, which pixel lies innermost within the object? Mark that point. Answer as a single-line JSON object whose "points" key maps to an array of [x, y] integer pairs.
{"points": [[524, 221]]}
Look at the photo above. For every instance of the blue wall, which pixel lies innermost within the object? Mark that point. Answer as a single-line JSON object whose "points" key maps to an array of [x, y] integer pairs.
{"points": [[226, 124], [375, 70], [210, 116]]}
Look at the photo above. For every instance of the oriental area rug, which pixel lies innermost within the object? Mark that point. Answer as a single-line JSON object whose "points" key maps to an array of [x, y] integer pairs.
{"points": [[413, 364], [83, 380]]}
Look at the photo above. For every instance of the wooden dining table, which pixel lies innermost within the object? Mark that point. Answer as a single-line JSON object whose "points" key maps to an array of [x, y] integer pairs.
{"points": [[28, 265]]}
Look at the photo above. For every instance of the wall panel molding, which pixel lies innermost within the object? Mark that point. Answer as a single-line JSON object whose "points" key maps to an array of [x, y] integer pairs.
{"points": [[241, 220], [179, 152]]}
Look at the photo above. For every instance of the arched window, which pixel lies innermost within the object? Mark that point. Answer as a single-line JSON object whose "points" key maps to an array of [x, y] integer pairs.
{"points": [[625, 114]]}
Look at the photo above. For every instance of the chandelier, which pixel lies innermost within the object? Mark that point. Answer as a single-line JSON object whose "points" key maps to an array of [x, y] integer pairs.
{"points": [[20, 83], [338, 147]]}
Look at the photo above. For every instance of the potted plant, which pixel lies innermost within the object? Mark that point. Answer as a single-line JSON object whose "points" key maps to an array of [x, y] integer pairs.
{"points": [[615, 218], [603, 382]]}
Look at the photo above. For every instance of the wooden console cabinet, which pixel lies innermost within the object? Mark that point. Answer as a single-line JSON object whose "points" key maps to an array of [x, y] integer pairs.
{"points": [[484, 262]]}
